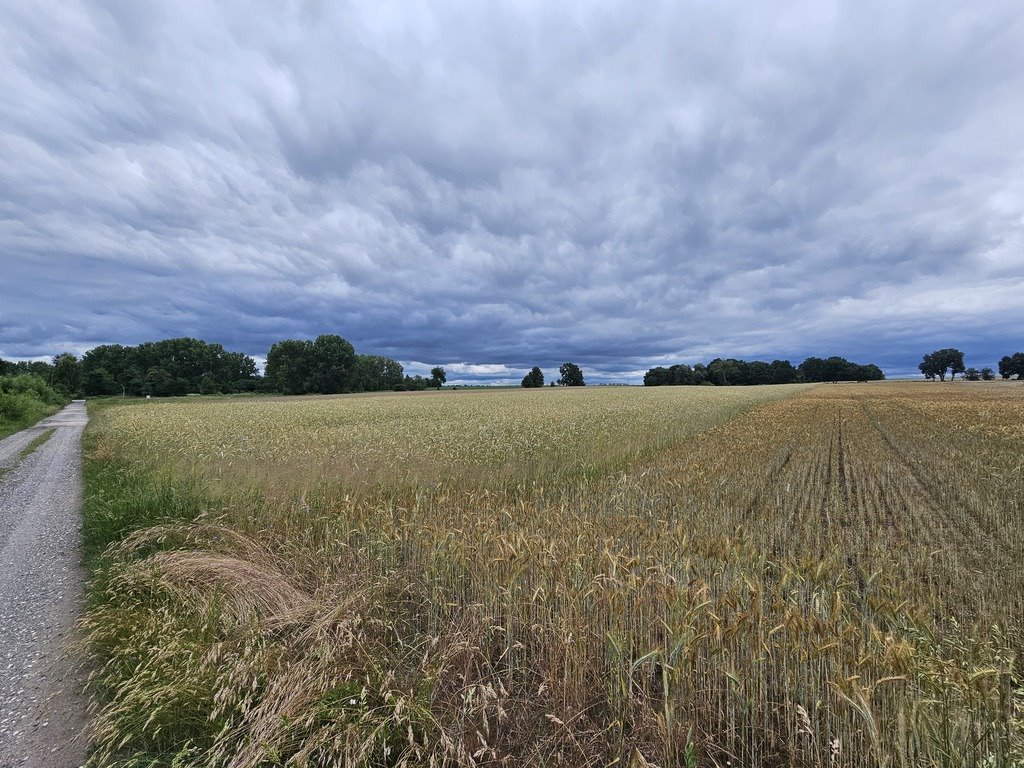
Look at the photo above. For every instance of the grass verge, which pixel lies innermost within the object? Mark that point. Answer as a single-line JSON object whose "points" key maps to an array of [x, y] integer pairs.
{"points": [[37, 443]]}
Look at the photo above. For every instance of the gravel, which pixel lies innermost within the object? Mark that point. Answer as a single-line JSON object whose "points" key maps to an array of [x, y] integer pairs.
{"points": [[42, 708]]}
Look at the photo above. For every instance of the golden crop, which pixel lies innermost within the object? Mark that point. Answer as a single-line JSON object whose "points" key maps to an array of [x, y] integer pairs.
{"points": [[491, 436], [826, 576]]}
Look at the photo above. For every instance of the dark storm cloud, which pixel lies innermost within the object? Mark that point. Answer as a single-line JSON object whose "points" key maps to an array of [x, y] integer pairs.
{"points": [[493, 185]]}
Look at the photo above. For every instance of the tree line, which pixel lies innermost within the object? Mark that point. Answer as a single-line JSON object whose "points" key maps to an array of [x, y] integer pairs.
{"points": [[937, 364], [330, 364], [732, 372], [175, 367], [569, 375]]}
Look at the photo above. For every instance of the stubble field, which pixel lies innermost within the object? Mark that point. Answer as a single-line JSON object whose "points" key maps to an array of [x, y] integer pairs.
{"points": [[768, 576]]}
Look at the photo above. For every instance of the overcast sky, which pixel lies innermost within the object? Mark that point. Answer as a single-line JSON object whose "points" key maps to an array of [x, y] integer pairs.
{"points": [[492, 185]]}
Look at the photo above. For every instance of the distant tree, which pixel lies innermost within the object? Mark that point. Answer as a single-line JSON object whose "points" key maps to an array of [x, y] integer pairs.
{"points": [[1012, 365], [940, 361], [192, 365], [535, 378], [116, 361], [159, 383], [730, 371], [208, 385], [415, 383], [438, 376], [375, 373], [66, 376], [658, 376], [233, 371], [332, 362], [38, 368], [815, 369], [782, 372], [724, 372], [98, 383], [987, 374], [972, 374], [290, 366], [956, 362], [570, 375], [870, 372], [7, 368]]}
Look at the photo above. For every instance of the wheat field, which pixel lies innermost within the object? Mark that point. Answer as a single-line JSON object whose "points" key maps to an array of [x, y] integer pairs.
{"points": [[692, 576]]}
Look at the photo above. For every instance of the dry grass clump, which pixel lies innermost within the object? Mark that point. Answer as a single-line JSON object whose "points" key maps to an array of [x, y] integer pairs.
{"points": [[800, 586]]}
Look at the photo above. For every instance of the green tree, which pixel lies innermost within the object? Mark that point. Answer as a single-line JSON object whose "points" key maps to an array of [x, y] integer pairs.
{"points": [[723, 372], [98, 383], [972, 374], [190, 363], [658, 376], [119, 363], [438, 376], [375, 373], [535, 378], [987, 374], [570, 375], [332, 365], [941, 361], [1012, 365], [159, 383], [290, 366], [66, 375], [208, 385]]}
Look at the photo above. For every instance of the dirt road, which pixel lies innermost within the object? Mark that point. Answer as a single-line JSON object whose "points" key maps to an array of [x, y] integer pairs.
{"points": [[42, 711]]}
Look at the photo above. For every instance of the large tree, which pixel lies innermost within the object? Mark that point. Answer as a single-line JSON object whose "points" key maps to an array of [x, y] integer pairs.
{"points": [[98, 382], [375, 373], [535, 378], [332, 365], [118, 365], [570, 375], [941, 361], [290, 366], [1012, 365], [66, 376], [438, 376]]}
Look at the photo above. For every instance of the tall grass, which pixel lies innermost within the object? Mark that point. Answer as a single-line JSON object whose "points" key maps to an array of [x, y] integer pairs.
{"points": [[823, 581]]}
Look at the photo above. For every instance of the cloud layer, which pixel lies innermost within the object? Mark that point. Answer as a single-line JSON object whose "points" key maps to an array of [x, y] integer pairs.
{"points": [[502, 184]]}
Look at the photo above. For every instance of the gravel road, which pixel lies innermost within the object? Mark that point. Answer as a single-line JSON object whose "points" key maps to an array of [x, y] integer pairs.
{"points": [[42, 710]]}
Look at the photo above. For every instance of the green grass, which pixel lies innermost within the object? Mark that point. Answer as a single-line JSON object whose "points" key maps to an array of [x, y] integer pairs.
{"points": [[37, 443], [120, 497], [29, 449]]}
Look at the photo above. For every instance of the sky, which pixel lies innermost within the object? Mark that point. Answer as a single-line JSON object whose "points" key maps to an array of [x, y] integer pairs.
{"points": [[494, 185]]}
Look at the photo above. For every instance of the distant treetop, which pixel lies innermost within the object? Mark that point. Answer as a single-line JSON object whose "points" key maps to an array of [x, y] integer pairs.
{"points": [[728, 372]]}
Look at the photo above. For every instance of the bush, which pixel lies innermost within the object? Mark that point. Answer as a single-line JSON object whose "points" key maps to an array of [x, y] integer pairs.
{"points": [[24, 400]]}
